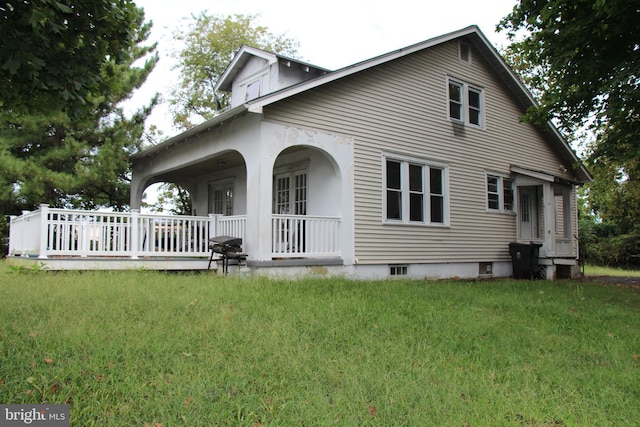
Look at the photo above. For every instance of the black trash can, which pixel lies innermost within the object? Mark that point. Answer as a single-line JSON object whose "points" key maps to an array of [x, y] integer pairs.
{"points": [[524, 257]]}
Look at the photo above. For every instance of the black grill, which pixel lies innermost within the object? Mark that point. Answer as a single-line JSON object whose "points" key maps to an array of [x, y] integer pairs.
{"points": [[229, 248]]}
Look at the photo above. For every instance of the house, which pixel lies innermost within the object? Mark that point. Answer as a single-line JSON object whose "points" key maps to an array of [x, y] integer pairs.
{"points": [[413, 163]]}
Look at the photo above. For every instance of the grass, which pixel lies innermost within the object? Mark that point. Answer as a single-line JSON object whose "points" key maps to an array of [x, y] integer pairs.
{"points": [[148, 348], [595, 270]]}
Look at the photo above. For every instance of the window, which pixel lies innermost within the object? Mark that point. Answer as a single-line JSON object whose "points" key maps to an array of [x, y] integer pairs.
{"points": [[499, 193], [290, 193], [455, 100], [415, 191], [398, 270], [465, 103], [221, 198]]}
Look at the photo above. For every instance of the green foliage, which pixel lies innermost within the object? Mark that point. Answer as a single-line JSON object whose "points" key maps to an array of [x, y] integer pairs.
{"points": [[209, 43], [129, 348], [173, 198], [54, 53], [609, 230], [582, 57], [75, 151], [604, 244]]}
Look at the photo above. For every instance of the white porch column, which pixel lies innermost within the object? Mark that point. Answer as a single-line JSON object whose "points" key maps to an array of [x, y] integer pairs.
{"points": [[259, 200], [44, 230], [549, 209], [135, 233]]}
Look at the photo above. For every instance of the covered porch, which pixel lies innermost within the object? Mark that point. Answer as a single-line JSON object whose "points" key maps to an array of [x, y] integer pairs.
{"points": [[75, 239], [547, 215]]}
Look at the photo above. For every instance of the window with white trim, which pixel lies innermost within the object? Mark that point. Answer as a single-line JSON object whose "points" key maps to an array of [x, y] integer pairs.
{"points": [[415, 191], [290, 193], [221, 197], [466, 103], [499, 193]]}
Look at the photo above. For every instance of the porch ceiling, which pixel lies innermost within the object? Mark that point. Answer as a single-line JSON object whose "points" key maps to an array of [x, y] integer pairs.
{"points": [[228, 160]]}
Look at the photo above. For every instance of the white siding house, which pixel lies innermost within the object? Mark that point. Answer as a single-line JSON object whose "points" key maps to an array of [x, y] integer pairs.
{"points": [[413, 163]]}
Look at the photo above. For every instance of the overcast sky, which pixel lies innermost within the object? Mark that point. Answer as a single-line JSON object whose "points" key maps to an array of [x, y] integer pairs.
{"points": [[332, 33]]}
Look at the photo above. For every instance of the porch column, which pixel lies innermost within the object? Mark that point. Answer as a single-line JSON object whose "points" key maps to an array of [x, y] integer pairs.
{"points": [[135, 233], [44, 230], [259, 187], [548, 198]]}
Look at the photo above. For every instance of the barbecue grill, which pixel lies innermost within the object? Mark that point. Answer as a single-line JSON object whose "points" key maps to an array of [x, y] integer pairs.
{"points": [[229, 248]]}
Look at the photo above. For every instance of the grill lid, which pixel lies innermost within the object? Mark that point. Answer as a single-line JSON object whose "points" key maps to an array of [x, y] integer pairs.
{"points": [[226, 241]]}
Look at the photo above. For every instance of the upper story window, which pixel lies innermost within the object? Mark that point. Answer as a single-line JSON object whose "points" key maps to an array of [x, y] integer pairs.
{"points": [[499, 193], [466, 103], [415, 191]]}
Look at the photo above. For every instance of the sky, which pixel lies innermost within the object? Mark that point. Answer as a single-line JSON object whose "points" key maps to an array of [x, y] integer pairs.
{"points": [[331, 33]]}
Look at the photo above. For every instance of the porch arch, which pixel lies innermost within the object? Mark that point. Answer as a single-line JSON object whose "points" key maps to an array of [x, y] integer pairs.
{"points": [[319, 182], [196, 177]]}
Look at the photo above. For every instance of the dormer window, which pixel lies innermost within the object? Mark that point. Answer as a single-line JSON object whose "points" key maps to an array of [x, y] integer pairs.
{"points": [[252, 91]]}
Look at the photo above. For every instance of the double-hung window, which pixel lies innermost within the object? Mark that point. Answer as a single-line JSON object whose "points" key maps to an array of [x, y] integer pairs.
{"points": [[499, 193], [415, 191], [466, 104]]}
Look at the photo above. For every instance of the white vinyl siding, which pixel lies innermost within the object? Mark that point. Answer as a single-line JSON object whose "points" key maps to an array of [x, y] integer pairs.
{"points": [[414, 122]]}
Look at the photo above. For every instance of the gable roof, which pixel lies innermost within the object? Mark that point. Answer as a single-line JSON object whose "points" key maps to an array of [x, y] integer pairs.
{"points": [[473, 35], [244, 55], [482, 44]]}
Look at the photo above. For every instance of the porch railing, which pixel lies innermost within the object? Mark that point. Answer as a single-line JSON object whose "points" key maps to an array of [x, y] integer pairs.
{"points": [[50, 232], [63, 232], [295, 236]]}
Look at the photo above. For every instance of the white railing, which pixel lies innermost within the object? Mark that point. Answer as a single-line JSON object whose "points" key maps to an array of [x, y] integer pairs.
{"points": [[173, 235], [25, 233], [235, 226], [63, 232], [295, 236]]}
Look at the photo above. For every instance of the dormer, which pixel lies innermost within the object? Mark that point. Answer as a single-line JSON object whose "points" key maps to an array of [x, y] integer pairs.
{"points": [[254, 72]]}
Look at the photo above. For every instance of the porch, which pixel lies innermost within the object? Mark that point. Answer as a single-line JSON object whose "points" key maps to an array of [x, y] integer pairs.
{"points": [[78, 239]]}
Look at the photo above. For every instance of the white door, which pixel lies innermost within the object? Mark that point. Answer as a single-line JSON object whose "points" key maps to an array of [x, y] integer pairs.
{"points": [[290, 198], [529, 217]]}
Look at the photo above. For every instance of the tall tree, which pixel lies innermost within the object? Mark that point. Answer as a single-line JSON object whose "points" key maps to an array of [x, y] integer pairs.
{"points": [[585, 54], [208, 44], [52, 52], [582, 57], [64, 138]]}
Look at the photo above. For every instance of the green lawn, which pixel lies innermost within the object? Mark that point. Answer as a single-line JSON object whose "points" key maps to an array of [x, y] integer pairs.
{"points": [[594, 270], [147, 348]]}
